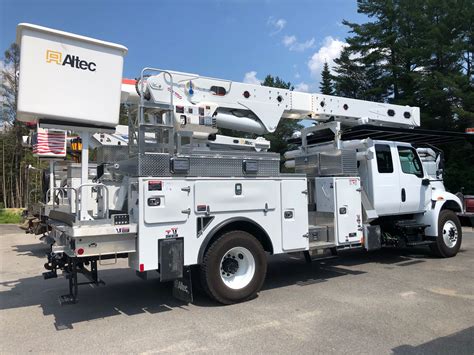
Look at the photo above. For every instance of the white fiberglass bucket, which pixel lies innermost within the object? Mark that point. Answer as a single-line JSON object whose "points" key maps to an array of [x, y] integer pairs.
{"points": [[68, 79]]}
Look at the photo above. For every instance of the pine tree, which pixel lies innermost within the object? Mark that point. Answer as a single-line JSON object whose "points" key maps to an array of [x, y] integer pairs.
{"points": [[354, 79], [277, 82], [411, 53], [326, 81], [347, 81], [9, 85], [15, 177], [417, 53]]}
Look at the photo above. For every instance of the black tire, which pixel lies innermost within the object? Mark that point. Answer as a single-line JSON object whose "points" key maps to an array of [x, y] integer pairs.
{"points": [[211, 268], [440, 248]]}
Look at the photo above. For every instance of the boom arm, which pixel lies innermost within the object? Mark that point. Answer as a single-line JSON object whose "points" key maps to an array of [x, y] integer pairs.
{"points": [[201, 104]]}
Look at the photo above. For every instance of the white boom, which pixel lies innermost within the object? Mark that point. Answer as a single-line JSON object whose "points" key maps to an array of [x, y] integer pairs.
{"points": [[201, 103]]}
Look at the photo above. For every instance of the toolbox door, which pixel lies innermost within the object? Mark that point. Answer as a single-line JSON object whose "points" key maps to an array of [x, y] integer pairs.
{"points": [[294, 218], [233, 196], [167, 201], [348, 210]]}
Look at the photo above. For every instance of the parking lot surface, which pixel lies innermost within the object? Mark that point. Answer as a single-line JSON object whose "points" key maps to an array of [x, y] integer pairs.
{"points": [[390, 301]]}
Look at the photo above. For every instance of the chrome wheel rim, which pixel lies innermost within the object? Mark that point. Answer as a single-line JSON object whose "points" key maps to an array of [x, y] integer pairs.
{"points": [[450, 234], [237, 268]]}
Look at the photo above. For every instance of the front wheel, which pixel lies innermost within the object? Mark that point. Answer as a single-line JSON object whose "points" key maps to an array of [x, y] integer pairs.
{"points": [[234, 268], [449, 237]]}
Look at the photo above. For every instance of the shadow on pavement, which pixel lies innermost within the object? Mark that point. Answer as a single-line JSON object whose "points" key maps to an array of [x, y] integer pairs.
{"points": [[38, 249], [284, 270], [458, 343], [127, 294]]}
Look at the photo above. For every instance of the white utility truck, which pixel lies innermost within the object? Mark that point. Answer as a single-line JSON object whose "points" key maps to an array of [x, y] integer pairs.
{"points": [[190, 197]]}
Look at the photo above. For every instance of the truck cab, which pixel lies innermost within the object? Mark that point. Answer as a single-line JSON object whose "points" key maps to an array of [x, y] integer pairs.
{"points": [[409, 201], [395, 179]]}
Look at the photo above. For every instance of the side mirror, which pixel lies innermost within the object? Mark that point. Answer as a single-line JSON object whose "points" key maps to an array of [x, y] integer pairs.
{"points": [[425, 182], [441, 161]]}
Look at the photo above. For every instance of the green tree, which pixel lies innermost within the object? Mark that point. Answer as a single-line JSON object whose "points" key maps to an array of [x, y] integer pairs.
{"points": [[9, 85], [349, 78], [356, 79], [123, 115], [277, 82], [326, 81], [16, 180], [417, 53]]}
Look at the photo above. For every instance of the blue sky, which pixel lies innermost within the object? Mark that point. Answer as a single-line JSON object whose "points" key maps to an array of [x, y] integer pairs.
{"points": [[236, 40]]}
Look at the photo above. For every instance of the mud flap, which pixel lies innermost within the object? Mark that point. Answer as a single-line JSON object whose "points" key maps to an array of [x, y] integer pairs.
{"points": [[372, 237], [171, 254], [183, 288]]}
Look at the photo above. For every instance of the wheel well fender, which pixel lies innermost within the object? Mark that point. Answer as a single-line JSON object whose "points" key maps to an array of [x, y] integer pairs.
{"points": [[430, 217], [237, 223], [451, 205]]}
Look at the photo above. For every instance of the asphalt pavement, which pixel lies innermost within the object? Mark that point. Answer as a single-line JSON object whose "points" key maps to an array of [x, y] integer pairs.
{"points": [[389, 301]]}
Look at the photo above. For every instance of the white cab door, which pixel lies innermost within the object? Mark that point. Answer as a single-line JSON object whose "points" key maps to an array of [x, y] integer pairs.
{"points": [[385, 180], [413, 195]]}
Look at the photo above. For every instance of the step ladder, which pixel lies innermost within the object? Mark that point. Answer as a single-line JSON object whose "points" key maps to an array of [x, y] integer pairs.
{"points": [[413, 232]]}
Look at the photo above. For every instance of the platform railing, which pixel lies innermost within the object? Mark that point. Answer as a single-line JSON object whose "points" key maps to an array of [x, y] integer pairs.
{"points": [[61, 192], [102, 213]]}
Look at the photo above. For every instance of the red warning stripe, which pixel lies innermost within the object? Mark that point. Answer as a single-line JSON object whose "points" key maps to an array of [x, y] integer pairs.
{"points": [[129, 81]]}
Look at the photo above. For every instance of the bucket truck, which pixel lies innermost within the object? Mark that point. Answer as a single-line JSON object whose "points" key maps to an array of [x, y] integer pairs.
{"points": [[189, 197]]}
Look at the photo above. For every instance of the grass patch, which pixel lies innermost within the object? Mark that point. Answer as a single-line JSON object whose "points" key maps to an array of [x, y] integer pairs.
{"points": [[10, 215]]}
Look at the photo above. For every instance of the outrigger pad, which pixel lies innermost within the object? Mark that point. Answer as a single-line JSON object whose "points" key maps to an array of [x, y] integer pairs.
{"points": [[183, 288], [50, 275], [67, 299]]}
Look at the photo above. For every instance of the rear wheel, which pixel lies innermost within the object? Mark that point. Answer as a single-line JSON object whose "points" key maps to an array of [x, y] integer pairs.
{"points": [[234, 268], [449, 237]]}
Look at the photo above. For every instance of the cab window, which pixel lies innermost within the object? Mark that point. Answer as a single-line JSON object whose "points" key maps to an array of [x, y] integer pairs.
{"points": [[409, 161], [384, 158]]}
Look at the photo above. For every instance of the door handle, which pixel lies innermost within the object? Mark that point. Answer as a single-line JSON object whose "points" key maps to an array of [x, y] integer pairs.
{"points": [[404, 196], [186, 189]]}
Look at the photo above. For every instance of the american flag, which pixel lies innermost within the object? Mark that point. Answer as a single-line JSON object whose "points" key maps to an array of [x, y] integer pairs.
{"points": [[49, 143]]}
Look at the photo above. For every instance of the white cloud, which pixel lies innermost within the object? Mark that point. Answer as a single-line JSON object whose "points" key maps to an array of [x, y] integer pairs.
{"points": [[251, 78], [302, 87], [291, 42], [330, 50], [276, 24], [288, 40]]}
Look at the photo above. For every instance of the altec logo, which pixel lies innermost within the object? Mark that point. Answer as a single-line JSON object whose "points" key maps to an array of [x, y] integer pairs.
{"points": [[71, 60]]}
